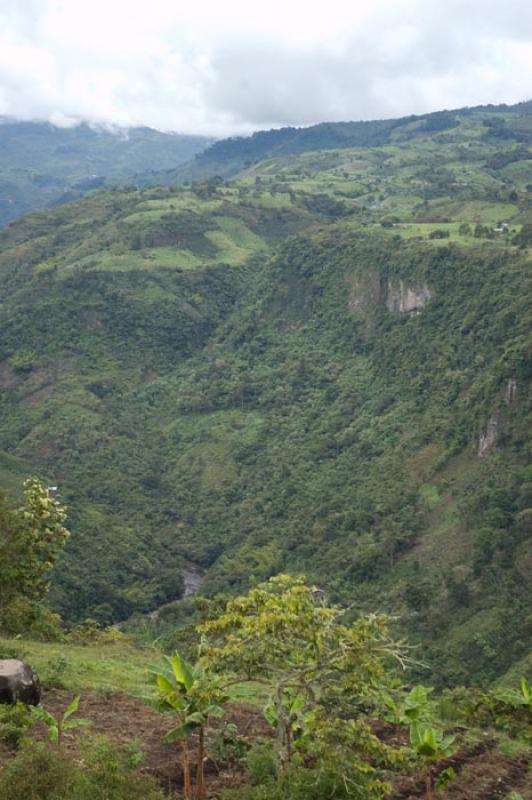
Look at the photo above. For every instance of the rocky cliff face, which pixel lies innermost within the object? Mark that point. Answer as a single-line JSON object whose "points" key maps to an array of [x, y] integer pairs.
{"points": [[488, 437], [373, 291], [403, 299]]}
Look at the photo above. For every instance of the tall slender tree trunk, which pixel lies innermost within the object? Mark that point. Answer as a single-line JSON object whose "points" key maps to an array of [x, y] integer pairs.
{"points": [[187, 792], [200, 777], [430, 794], [283, 732]]}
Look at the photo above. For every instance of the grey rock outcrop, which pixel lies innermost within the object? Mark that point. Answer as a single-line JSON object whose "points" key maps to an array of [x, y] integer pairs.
{"points": [[510, 392], [488, 437], [403, 299], [18, 682]]}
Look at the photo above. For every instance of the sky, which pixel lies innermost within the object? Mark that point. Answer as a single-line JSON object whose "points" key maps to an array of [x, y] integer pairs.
{"points": [[224, 67]]}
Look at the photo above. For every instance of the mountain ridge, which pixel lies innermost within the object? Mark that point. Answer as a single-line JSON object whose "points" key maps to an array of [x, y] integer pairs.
{"points": [[42, 164], [230, 155]]}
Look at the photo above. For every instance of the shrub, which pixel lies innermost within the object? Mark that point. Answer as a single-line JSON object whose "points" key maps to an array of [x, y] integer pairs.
{"points": [[14, 721], [30, 618], [110, 773], [261, 762], [54, 671], [39, 772]]}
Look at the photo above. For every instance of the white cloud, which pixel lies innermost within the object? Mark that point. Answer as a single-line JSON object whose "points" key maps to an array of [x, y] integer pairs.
{"points": [[220, 68]]}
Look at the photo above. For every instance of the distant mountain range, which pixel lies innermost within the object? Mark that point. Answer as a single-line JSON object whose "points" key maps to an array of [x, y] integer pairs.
{"points": [[228, 157], [41, 165]]}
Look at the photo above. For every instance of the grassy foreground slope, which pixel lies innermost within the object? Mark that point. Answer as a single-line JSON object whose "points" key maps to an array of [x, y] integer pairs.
{"points": [[322, 366]]}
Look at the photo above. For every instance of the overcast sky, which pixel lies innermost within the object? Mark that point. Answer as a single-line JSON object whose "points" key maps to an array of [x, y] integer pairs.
{"points": [[232, 66]]}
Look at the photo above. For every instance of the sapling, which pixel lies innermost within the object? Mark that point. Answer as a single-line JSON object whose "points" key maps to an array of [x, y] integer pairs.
{"points": [[58, 725], [430, 745], [189, 693], [427, 740]]}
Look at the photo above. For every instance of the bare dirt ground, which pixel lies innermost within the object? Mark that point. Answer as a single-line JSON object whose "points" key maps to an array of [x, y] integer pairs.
{"points": [[483, 774], [123, 719]]}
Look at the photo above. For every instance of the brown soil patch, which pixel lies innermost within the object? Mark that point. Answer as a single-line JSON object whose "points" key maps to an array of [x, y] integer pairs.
{"points": [[124, 719], [482, 773]]}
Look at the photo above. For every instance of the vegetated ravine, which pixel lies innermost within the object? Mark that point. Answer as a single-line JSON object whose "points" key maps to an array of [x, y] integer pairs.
{"points": [[322, 367]]}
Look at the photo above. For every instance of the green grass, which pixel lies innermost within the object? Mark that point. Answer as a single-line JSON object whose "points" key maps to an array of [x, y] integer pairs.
{"points": [[513, 748], [228, 250], [13, 471], [121, 667], [240, 234], [430, 495]]}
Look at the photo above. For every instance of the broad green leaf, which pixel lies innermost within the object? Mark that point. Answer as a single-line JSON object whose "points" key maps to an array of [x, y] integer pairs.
{"points": [[446, 743], [445, 777], [416, 736], [430, 738], [197, 717], [72, 708], [171, 703], [297, 704], [270, 713], [77, 723], [215, 711], [42, 715], [163, 684], [180, 732], [182, 671], [419, 695]]}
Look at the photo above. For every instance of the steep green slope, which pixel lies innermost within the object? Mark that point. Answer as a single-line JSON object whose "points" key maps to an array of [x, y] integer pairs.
{"points": [[351, 401], [41, 164], [366, 468]]}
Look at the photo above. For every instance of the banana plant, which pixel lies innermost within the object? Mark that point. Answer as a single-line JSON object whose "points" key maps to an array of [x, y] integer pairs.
{"points": [[430, 745], [526, 692], [187, 692], [415, 706], [515, 698], [58, 725]]}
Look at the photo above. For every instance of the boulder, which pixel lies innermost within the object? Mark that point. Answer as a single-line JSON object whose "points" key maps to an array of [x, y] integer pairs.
{"points": [[18, 682]]}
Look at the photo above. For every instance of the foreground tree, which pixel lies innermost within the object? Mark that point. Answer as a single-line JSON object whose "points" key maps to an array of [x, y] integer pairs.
{"points": [[320, 672], [31, 538]]}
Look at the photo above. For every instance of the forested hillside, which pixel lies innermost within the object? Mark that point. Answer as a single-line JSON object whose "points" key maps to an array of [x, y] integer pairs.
{"points": [[41, 164], [322, 366], [228, 157]]}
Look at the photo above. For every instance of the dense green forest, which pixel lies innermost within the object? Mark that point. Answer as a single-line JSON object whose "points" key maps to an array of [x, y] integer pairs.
{"points": [[321, 366], [42, 164]]}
